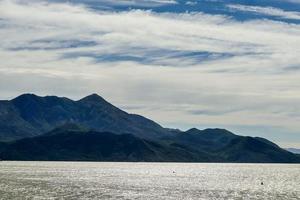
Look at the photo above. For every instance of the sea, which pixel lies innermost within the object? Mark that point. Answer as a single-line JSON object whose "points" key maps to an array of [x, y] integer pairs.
{"points": [[124, 180]]}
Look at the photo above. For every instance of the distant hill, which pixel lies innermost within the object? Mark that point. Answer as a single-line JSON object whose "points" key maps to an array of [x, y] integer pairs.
{"points": [[255, 150], [228, 147], [96, 146], [204, 140], [91, 129], [72, 143], [30, 115]]}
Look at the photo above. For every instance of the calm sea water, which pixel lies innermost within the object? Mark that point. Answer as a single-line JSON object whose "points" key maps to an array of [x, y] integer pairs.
{"points": [[86, 180]]}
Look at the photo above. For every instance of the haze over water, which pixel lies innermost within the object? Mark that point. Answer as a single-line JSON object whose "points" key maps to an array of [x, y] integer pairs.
{"points": [[86, 180]]}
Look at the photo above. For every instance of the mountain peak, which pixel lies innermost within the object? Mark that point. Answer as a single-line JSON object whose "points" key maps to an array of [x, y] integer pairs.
{"points": [[26, 96], [93, 98]]}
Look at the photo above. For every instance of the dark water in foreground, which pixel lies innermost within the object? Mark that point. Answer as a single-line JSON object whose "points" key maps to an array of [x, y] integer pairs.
{"points": [[84, 180]]}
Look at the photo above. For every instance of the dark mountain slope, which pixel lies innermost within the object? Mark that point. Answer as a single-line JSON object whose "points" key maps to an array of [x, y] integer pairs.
{"points": [[45, 113], [68, 127], [3, 145], [103, 116], [255, 150], [228, 147], [204, 140], [12, 125], [72, 143], [30, 115], [96, 146]]}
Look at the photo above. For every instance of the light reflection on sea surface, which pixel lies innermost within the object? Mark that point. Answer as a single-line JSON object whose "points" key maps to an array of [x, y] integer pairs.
{"points": [[88, 180]]}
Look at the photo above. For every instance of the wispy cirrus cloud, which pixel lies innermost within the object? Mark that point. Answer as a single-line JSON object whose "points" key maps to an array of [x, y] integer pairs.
{"points": [[196, 67], [266, 11], [145, 3]]}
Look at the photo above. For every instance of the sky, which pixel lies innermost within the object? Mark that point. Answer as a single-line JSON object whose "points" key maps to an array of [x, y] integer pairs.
{"points": [[231, 64]]}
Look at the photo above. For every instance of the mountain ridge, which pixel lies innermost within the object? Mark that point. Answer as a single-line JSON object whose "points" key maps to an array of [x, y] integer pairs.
{"points": [[72, 143], [30, 122], [42, 114]]}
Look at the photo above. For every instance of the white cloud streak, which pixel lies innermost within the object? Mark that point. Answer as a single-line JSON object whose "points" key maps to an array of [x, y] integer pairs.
{"points": [[144, 3], [267, 11]]}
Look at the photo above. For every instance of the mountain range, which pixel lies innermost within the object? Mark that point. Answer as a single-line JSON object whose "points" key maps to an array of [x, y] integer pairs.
{"points": [[31, 115], [92, 129]]}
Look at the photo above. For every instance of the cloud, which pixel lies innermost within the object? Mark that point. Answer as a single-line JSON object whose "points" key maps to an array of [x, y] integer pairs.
{"points": [[144, 3], [191, 68], [266, 11], [191, 3]]}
